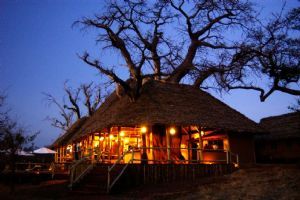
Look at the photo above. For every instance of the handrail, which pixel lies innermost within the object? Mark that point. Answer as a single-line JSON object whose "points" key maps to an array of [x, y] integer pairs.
{"points": [[81, 169], [228, 154], [78, 162], [109, 186]]}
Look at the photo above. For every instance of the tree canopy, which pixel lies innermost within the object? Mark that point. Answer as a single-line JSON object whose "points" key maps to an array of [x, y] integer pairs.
{"points": [[214, 44], [13, 138]]}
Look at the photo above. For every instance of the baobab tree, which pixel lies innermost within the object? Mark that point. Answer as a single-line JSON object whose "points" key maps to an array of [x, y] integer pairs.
{"points": [[81, 101], [274, 53], [212, 43]]}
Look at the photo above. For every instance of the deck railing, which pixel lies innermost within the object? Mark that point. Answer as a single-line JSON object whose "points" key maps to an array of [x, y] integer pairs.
{"points": [[79, 169], [230, 158], [110, 182]]}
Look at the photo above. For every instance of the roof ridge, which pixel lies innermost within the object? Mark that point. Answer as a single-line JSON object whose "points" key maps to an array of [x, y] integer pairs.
{"points": [[279, 116]]}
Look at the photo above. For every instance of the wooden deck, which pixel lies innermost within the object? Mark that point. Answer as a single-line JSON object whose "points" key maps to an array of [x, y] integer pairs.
{"points": [[137, 174]]}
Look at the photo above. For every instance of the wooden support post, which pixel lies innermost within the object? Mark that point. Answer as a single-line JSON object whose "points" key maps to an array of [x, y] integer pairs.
{"points": [[93, 148], [189, 145], [200, 145], [168, 144], [109, 145], [60, 154], [144, 150], [119, 143], [227, 157]]}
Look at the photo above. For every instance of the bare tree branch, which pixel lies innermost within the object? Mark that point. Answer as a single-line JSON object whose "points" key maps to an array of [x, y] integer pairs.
{"points": [[67, 117], [73, 97]]}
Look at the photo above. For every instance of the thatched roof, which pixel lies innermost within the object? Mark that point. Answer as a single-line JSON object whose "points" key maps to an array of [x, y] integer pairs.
{"points": [[66, 137], [166, 103], [282, 126]]}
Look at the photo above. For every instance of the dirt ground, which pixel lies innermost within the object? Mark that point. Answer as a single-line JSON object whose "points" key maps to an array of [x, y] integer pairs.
{"points": [[259, 182]]}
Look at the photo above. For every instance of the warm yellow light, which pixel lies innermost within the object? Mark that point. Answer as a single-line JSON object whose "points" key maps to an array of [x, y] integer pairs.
{"points": [[101, 138], [111, 137], [202, 133], [172, 131], [126, 140], [69, 148], [144, 129], [96, 143], [96, 137], [122, 133]]}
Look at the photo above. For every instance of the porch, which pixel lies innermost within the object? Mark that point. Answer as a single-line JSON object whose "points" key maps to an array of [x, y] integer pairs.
{"points": [[156, 144], [136, 171]]}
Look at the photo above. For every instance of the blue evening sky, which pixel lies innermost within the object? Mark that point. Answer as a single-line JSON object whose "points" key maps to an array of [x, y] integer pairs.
{"points": [[38, 48]]}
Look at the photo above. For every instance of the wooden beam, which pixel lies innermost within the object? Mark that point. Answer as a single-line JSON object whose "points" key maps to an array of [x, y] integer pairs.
{"points": [[200, 145], [168, 144], [144, 151], [189, 144], [119, 130]]}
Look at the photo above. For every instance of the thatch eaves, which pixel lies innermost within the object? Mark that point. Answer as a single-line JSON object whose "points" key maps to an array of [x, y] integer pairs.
{"points": [[71, 132], [282, 126], [166, 103]]}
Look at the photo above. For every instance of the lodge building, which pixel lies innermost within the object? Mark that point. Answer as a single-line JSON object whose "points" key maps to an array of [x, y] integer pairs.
{"points": [[169, 124]]}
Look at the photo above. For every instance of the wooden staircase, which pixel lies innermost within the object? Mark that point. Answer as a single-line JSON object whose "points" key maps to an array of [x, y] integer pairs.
{"points": [[95, 182]]}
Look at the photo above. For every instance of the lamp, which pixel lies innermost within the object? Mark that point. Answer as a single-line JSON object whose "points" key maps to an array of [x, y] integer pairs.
{"points": [[144, 129], [202, 133], [122, 133], [172, 131]]}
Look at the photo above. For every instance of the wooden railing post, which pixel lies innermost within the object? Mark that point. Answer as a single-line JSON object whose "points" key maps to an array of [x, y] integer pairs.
{"points": [[132, 155], [168, 145], [110, 183], [144, 152], [200, 145], [227, 157]]}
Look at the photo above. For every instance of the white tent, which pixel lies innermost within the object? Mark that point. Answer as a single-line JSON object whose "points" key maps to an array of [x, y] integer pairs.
{"points": [[44, 150]]}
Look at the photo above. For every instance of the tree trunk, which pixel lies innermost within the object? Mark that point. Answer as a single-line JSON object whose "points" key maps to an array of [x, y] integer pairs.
{"points": [[175, 142], [159, 140]]}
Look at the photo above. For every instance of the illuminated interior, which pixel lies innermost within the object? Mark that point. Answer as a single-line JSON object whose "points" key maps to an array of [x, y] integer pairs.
{"points": [[184, 145]]}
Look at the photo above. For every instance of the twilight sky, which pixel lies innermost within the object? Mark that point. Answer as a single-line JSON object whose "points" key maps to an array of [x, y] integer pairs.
{"points": [[38, 48]]}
